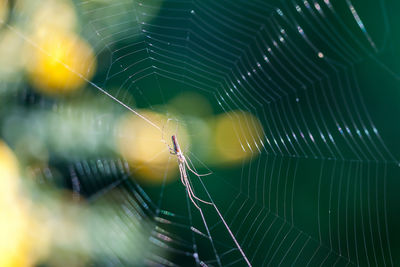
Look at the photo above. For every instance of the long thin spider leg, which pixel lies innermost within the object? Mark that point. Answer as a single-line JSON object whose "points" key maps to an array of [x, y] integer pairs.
{"points": [[171, 150], [202, 163], [185, 181], [182, 164], [190, 194], [226, 225], [199, 199], [193, 170], [183, 174], [189, 188]]}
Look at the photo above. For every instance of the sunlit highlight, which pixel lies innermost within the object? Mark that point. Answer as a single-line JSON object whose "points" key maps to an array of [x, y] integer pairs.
{"points": [[16, 244], [62, 65], [235, 135], [144, 147]]}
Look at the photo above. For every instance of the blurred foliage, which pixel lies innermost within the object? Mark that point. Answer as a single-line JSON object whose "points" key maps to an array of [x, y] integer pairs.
{"points": [[56, 124]]}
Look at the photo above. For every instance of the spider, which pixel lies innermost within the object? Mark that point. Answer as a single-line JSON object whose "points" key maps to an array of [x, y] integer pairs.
{"points": [[183, 164]]}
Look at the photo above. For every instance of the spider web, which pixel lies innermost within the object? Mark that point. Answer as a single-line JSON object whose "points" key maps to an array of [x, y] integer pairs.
{"points": [[321, 188]]}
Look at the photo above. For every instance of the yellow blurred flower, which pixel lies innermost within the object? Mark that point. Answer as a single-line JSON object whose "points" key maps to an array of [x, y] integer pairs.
{"points": [[8, 168], [60, 62], [17, 226], [141, 144], [236, 135]]}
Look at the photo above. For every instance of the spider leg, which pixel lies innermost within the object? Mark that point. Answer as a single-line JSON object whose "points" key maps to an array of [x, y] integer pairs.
{"points": [[183, 174], [193, 170], [171, 151], [190, 194], [190, 161], [189, 188]]}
